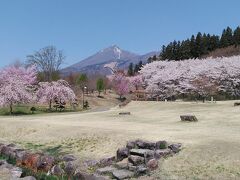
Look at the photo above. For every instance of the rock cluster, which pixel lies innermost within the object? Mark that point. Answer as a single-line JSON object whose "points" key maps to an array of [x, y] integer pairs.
{"points": [[13, 172], [137, 158]]}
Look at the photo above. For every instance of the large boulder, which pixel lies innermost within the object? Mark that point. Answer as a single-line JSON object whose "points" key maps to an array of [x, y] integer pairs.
{"points": [[136, 160], [122, 153]]}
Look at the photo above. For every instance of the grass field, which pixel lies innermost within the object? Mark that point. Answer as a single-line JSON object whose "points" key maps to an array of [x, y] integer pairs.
{"points": [[211, 147]]}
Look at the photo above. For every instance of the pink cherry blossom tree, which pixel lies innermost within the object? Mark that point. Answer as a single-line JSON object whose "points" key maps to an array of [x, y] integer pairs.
{"points": [[48, 92], [201, 76], [120, 84], [135, 82], [16, 85]]}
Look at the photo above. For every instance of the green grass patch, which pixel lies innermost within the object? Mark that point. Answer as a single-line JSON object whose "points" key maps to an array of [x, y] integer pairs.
{"points": [[8, 159], [27, 110]]}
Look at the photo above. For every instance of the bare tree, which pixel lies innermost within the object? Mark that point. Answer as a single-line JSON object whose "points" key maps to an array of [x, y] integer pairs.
{"points": [[48, 61]]}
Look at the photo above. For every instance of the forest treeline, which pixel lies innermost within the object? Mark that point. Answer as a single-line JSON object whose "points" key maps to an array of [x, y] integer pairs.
{"points": [[198, 45]]}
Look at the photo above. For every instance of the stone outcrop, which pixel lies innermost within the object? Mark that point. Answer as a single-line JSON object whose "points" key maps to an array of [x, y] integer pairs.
{"points": [[138, 158]]}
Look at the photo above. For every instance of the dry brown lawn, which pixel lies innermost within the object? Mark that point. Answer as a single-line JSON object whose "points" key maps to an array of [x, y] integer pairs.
{"points": [[211, 147]]}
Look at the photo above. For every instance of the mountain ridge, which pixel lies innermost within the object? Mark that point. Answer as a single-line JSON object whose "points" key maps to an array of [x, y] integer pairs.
{"points": [[95, 63]]}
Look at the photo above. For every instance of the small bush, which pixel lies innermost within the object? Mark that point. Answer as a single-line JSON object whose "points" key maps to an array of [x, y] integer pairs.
{"points": [[33, 109]]}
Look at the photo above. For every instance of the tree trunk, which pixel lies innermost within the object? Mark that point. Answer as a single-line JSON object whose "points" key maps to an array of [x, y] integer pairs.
{"points": [[50, 104], [11, 108]]}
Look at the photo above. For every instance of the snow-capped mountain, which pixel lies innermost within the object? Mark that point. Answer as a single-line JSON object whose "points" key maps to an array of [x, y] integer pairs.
{"points": [[113, 54]]}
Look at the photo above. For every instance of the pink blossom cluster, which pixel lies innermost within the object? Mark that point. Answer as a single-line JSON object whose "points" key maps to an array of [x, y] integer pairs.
{"points": [[18, 85], [120, 83], [135, 82], [202, 76], [48, 92], [15, 85]]}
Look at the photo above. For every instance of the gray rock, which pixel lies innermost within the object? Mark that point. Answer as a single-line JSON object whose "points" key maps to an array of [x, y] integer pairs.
{"points": [[6, 165], [162, 153], [175, 147], [69, 168], [145, 144], [57, 170], [2, 162], [131, 167], [122, 174], [7, 151], [141, 170], [11, 145], [106, 170], [69, 157], [122, 153], [146, 153], [152, 164], [45, 163], [107, 161], [131, 144], [136, 160], [122, 164], [20, 154], [190, 118], [16, 172], [161, 145]]}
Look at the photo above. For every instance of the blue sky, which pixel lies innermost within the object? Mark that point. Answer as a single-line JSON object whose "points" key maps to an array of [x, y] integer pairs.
{"points": [[82, 27]]}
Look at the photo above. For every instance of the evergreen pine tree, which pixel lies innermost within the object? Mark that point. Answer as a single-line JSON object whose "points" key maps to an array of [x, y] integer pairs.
{"points": [[136, 68], [236, 36], [130, 70]]}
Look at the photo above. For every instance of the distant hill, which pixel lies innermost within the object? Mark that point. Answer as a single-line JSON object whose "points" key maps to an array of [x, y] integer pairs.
{"points": [[113, 54]]}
